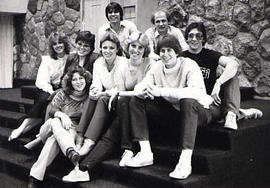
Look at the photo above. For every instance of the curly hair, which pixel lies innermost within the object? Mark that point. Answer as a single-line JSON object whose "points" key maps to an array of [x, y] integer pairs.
{"points": [[87, 37], [114, 7], [66, 83], [200, 27], [109, 36], [142, 39], [53, 39]]}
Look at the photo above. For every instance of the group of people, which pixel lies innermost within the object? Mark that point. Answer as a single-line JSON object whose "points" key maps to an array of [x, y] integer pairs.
{"points": [[93, 103]]}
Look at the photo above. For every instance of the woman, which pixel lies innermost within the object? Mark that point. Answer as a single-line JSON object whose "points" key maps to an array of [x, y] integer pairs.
{"points": [[85, 55], [48, 80], [65, 113], [134, 70], [122, 28]]}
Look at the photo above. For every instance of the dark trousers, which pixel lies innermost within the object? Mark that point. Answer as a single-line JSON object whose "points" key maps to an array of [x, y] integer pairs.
{"points": [[230, 96], [95, 118], [40, 104], [191, 115], [118, 132]]}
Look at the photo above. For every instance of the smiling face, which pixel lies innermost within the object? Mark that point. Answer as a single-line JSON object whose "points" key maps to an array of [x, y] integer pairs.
{"points": [[135, 50], [168, 57], [58, 47], [109, 51], [83, 48], [195, 40], [114, 16], [78, 82], [161, 22]]}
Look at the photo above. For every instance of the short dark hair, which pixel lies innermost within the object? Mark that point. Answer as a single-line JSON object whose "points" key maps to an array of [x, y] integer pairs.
{"points": [[110, 36], [66, 83], [87, 37], [196, 25], [169, 41], [57, 37], [159, 11], [115, 7]]}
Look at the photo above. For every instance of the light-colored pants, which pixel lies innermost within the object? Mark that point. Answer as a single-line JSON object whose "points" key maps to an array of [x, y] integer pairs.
{"points": [[60, 138]]}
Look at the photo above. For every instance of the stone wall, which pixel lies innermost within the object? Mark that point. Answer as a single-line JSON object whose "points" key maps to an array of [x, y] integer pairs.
{"points": [[32, 31], [240, 25]]}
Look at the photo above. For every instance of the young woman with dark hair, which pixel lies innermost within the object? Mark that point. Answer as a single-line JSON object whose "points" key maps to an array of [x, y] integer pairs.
{"points": [[65, 113]]}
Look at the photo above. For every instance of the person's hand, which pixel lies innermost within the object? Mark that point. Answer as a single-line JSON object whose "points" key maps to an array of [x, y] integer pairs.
{"points": [[215, 93], [94, 93], [112, 92], [66, 121], [143, 94], [154, 56], [112, 102], [153, 91]]}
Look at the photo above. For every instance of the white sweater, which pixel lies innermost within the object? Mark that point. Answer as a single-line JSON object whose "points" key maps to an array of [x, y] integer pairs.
{"points": [[50, 72], [104, 79], [184, 80]]}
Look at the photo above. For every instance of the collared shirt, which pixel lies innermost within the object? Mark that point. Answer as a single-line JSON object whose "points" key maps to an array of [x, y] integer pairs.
{"points": [[126, 29], [153, 35]]}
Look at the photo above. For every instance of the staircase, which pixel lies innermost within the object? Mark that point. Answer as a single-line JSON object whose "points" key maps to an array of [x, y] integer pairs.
{"points": [[222, 158]]}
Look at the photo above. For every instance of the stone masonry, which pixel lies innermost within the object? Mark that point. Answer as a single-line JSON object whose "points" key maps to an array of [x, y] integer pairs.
{"points": [[235, 27]]}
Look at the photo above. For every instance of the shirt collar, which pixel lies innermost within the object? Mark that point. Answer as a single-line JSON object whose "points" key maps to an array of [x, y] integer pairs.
{"points": [[156, 33], [108, 27]]}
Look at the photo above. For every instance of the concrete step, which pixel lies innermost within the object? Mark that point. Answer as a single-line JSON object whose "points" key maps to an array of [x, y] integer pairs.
{"points": [[8, 181], [10, 99], [10, 118]]}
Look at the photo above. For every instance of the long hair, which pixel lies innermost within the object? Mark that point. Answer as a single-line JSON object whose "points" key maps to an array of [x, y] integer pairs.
{"points": [[109, 36], [142, 39], [66, 83], [53, 39], [200, 27], [114, 7]]}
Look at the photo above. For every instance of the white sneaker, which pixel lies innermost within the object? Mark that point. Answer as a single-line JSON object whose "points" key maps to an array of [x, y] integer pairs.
{"points": [[140, 160], [76, 175], [181, 171], [230, 121], [251, 113], [127, 156]]}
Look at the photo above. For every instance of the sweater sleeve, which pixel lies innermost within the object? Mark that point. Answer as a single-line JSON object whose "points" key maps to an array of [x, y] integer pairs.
{"points": [[57, 103], [96, 82], [194, 89], [43, 81]]}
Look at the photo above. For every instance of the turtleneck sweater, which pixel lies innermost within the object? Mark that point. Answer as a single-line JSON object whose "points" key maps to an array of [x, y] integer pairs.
{"points": [[184, 80]]}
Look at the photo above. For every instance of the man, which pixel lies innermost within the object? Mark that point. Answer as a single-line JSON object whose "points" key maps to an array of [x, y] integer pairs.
{"points": [[160, 20], [174, 88], [224, 89]]}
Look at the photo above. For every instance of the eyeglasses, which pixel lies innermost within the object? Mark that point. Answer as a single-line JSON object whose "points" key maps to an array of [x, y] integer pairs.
{"points": [[57, 43], [81, 44], [198, 36]]}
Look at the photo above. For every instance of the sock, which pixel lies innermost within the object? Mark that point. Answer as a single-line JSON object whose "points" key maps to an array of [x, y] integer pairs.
{"points": [[145, 146]]}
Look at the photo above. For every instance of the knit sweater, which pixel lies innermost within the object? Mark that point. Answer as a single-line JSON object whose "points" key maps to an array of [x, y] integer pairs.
{"points": [[103, 79], [184, 80]]}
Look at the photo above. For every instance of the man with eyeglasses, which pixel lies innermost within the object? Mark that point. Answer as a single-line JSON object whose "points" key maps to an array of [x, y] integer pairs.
{"points": [[160, 20], [225, 88]]}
